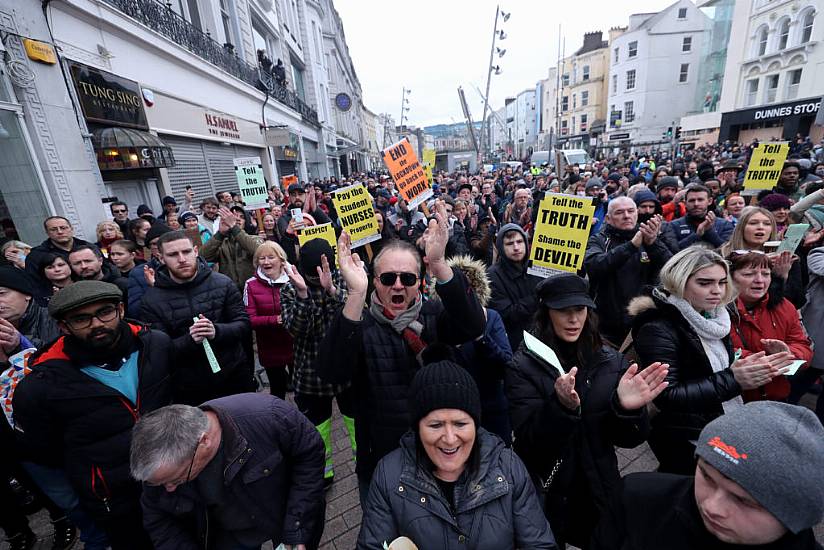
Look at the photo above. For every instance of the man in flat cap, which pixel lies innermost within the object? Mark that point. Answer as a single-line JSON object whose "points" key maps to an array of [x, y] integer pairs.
{"points": [[77, 407]]}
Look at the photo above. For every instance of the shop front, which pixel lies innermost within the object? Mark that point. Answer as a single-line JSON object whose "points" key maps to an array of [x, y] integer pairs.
{"points": [[205, 142], [128, 155], [780, 121]]}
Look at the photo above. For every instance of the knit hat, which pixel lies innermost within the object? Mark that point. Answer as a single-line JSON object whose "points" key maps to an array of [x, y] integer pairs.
{"points": [[615, 176], [774, 201], [706, 171], [144, 209], [186, 215], [645, 195], [168, 199], [16, 279], [443, 385], [80, 294], [310, 253], [667, 181], [156, 230], [594, 181], [775, 452]]}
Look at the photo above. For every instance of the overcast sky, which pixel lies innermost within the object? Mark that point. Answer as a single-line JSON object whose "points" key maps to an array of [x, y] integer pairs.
{"points": [[434, 46]]}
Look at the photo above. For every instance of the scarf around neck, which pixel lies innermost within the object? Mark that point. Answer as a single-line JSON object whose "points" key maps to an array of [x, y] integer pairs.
{"points": [[406, 323], [711, 331]]}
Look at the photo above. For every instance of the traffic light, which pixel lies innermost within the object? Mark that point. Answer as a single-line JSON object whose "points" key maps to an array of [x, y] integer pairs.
{"points": [[678, 133], [669, 133]]}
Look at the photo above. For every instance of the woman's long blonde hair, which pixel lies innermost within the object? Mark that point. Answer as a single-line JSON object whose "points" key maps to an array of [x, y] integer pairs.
{"points": [[736, 241]]}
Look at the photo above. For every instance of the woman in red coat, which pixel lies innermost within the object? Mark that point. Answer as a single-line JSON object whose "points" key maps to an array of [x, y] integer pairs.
{"points": [[261, 296], [760, 323]]}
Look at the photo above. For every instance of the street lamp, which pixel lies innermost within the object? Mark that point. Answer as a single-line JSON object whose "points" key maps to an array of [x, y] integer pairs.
{"points": [[496, 35], [404, 105], [500, 52]]}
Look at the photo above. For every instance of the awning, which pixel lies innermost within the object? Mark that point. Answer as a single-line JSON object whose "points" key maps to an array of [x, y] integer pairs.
{"points": [[598, 127], [128, 149]]}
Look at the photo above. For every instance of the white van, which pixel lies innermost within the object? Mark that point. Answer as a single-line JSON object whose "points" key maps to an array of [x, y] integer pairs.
{"points": [[575, 156]]}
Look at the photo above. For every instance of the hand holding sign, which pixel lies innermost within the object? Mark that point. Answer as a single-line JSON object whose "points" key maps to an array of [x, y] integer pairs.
{"points": [[565, 390]]}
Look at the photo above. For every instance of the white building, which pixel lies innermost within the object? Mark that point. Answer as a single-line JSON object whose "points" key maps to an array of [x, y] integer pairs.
{"points": [[546, 96], [653, 74], [773, 79], [496, 122]]}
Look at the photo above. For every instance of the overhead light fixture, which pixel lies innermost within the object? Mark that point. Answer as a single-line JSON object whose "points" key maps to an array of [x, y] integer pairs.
{"points": [[501, 35], [497, 69], [506, 16], [500, 52]]}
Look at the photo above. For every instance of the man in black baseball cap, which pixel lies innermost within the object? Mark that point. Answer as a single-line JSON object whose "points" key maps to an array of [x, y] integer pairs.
{"points": [[93, 383], [288, 227]]}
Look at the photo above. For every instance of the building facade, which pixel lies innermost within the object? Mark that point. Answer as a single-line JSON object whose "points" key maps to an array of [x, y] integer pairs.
{"points": [[653, 75], [546, 90], [582, 93], [772, 80]]}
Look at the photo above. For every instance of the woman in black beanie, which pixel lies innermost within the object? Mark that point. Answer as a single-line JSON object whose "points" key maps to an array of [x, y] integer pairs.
{"points": [[451, 484]]}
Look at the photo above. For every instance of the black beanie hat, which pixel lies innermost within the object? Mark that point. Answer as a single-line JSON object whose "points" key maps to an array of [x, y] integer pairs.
{"points": [[443, 385], [156, 230], [310, 254], [16, 279]]}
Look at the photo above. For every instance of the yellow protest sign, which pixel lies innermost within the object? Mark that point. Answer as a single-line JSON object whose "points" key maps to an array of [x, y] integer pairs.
{"points": [[323, 231], [561, 234], [428, 163], [765, 166], [356, 215], [402, 162]]}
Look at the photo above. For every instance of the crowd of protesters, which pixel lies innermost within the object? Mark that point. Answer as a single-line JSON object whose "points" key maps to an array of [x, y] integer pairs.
{"points": [[483, 403]]}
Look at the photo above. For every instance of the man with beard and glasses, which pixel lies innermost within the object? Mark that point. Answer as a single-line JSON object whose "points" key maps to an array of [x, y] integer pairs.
{"points": [[621, 259], [288, 227], [700, 225], [86, 390], [191, 303]]}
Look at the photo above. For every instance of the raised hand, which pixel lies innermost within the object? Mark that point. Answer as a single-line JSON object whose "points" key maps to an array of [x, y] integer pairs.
{"points": [[752, 371], [297, 281], [781, 264], [149, 274], [9, 337], [351, 266], [636, 389], [565, 390], [438, 234], [227, 220], [325, 275], [707, 225]]}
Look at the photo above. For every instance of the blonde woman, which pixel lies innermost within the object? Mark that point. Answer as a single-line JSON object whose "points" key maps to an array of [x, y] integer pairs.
{"points": [[261, 296], [685, 324], [107, 233], [15, 253]]}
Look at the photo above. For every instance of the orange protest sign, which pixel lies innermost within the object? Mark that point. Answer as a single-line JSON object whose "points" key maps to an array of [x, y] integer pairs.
{"points": [[406, 170], [286, 181]]}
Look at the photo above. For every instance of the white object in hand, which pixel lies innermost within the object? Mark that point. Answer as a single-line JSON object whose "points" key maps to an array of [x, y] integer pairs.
{"points": [[210, 354]]}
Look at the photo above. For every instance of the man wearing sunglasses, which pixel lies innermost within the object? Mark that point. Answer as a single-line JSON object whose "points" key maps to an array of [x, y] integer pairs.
{"points": [[380, 348], [120, 215], [77, 407]]}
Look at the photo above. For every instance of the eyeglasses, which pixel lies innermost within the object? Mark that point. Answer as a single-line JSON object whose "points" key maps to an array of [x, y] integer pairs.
{"points": [[745, 252], [121, 211], [104, 315], [389, 278], [180, 481]]}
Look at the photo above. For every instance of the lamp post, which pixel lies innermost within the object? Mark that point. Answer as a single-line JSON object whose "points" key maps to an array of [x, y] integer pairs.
{"points": [[404, 107], [496, 35]]}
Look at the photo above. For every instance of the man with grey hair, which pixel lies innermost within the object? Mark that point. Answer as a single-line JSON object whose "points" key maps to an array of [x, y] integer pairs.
{"points": [[232, 474], [620, 260]]}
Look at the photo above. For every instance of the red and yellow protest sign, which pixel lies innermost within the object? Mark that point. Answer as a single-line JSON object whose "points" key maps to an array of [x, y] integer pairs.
{"points": [[406, 170]]}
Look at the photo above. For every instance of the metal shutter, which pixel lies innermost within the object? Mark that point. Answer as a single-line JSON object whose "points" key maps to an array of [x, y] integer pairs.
{"points": [[189, 169], [241, 151], [220, 159]]}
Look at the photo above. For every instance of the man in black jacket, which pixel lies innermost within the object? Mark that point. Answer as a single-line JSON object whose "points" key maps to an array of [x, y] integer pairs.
{"points": [[379, 349], [513, 289], [621, 260], [234, 473], [88, 264], [86, 390], [757, 484], [288, 227], [191, 303], [61, 241]]}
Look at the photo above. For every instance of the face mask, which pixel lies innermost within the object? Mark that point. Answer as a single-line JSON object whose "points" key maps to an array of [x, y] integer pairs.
{"points": [[581, 193]]}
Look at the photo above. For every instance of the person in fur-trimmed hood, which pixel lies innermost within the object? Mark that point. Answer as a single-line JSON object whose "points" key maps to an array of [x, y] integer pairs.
{"points": [[486, 357]]}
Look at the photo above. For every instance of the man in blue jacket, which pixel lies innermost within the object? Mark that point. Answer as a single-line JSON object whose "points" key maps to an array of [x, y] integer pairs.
{"points": [[700, 225]]}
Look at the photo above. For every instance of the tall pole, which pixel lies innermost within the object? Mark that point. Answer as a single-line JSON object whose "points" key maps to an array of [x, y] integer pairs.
{"points": [[403, 100], [485, 147]]}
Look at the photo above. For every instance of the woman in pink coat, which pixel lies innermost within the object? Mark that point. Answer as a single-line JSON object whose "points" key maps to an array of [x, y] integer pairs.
{"points": [[261, 296]]}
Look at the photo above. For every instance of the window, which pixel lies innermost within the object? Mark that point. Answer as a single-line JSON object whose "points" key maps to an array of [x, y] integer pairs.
{"points": [[572, 125], [583, 123], [686, 44], [226, 19], [633, 49], [772, 88], [565, 79], [615, 54], [793, 81], [565, 103], [684, 73], [631, 79], [762, 41], [315, 40], [585, 74], [807, 27], [783, 34], [564, 130], [629, 111], [584, 98], [751, 92], [614, 84], [297, 78], [574, 101], [682, 13]]}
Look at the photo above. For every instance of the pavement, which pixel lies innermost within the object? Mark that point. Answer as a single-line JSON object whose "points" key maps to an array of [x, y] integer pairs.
{"points": [[343, 512]]}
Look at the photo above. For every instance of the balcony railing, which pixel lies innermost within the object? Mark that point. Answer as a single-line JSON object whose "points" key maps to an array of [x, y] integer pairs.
{"points": [[162, 19]]}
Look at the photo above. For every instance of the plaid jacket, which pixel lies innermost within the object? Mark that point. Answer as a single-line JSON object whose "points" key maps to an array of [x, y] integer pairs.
{"points": [[307, 321]]}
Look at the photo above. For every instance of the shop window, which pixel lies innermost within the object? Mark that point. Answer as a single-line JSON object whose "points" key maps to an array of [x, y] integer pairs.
{"points": [[631, 79], [751, 92], [783, 34], [686, 44], [771, 89], [633, 48], [807, 26], [684, 73], [629, 111], [793, 82]]}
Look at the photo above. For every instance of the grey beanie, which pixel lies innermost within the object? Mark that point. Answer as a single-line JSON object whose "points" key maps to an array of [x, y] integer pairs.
{"points": [[80, 294], [594, 181], [775, 452]]}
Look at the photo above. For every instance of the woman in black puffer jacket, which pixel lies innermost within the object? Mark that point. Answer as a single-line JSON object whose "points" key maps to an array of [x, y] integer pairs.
{"points": [[567, 425]]}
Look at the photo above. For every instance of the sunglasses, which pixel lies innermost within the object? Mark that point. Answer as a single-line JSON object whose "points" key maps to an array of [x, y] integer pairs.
{"points": [[389, 278], [119, 211]]}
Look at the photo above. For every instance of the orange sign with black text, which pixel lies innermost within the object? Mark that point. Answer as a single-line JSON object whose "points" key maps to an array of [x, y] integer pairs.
{"points": [[406, 170]]}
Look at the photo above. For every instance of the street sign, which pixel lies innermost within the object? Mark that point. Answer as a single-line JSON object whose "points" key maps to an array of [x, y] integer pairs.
{"points": [[251, 182]]}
